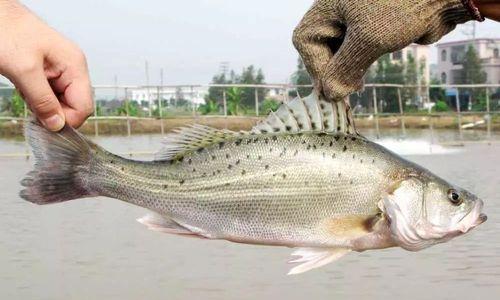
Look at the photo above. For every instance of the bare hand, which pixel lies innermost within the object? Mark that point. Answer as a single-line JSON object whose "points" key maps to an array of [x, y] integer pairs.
{"points": [[49, 70]]}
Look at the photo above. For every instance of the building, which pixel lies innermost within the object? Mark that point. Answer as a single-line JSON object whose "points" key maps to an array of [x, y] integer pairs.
{"points": [[451, 55], [421, 54], [195, 95]]}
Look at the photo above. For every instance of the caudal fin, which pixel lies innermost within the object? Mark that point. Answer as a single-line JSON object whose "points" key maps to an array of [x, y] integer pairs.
{"points": [[61, 161]]}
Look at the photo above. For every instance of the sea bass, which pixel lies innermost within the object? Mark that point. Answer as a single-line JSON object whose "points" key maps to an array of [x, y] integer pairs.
{"points": [[303, 178]]}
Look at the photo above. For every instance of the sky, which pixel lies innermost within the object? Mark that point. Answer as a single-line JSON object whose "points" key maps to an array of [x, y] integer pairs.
{"points": [[189, 38]]}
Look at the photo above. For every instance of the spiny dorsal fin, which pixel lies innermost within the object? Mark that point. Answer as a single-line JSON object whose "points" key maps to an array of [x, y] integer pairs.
{"points": [[309, 114], [191, 138]]}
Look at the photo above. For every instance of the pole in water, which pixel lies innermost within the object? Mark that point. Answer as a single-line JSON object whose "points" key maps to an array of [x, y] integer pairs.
{"points": [[375, 111], [459, 115]]}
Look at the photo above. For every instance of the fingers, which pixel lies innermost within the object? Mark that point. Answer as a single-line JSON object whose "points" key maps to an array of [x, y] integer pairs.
{"points": [[73, 86], [345, 71], [317, 37], [41, 99]]}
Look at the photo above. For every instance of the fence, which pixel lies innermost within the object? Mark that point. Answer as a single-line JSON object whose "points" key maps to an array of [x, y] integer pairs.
{"points": [[376, 101]]}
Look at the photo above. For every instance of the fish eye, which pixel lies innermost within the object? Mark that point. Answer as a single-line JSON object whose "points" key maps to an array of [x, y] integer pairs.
{"points": [[454, 197]]}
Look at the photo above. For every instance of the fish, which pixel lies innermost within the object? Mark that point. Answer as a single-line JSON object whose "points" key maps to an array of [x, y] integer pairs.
{"points": [[303, 178]]}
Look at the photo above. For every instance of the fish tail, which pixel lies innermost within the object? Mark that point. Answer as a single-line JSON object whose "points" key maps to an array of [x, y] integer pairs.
{"points": [[63, 161]]}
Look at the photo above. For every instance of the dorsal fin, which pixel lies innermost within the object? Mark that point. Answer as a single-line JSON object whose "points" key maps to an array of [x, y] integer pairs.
{"points": [[191, 138], [309, 114]]}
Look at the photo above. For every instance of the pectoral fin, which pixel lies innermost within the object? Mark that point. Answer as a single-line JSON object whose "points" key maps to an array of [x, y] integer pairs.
{"points": [[312, 258]]}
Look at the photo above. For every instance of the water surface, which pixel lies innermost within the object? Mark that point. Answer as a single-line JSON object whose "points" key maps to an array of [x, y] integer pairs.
{"points": [[94, 248]]}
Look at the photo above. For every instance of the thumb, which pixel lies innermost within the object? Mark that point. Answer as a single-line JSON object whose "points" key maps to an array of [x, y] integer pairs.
{"points": [[41, 99]]}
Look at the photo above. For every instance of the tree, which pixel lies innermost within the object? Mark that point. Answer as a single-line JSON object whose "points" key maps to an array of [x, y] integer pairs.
{"points": [[472, 73], [131, 106], [388, 72], [209, 107], [15, 105], [234, 98], [301, 77]]}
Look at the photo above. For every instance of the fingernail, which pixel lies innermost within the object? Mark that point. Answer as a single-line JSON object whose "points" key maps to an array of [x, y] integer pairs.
{"points": [[54, 123]]}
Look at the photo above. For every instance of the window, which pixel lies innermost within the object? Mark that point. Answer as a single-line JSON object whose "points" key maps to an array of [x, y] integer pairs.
{"points": [[495, 53], [443, 77], [457, 54], [443, 55], [398, 55]]}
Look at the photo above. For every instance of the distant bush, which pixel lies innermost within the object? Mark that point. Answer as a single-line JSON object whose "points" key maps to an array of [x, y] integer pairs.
{"points": [[269, 105], [441, 106]]}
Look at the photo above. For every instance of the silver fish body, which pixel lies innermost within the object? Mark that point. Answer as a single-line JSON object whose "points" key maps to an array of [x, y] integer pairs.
{"points": [[325, 191]]}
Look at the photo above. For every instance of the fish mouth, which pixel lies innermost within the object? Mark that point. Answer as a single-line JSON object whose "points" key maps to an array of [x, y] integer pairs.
{"points": [[473, 219]]}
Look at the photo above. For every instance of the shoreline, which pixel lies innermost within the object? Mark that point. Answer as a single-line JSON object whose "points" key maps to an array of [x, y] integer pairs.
{"points": [[14, 129]]}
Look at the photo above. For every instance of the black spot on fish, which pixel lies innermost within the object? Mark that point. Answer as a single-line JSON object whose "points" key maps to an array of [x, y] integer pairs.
{"points": [[123, 169], [309, 147], [340, 174], [361, 161], [345, 138], [248, 156], [218, 171], [266, 140], [322, 144], [227, 184], [238, 162], [284, 176], [350, 182], [325, 123], [276, 129], [288, 128], [221, 145], [331, 143], [213, 173], [260, 157], [190, 161], [227, 155], [324, 154], [165, 186], [322, 106], [301, 126], [200, 150], [182, 181], [229, 167], [270, 149], [337, 137], [213, 157], [333, 155], [194, 170], [238, 142], [373, 161], [314, 146], [313, 125], [249, 141], [243, 172], [204, 175], [263, 131], [181, 159], [354, 156], [267, 167], [111, 161], [303, 141], [338, 128], [345, 148], [322, 134], [296, 153], [255, 140], [275, 138], [353, 138]]}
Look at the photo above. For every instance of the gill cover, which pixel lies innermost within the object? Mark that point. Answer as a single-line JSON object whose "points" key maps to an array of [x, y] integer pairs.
{"points": [[405, 208]]}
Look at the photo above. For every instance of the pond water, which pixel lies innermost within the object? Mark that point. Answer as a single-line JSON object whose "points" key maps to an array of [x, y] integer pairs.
{"points": [[94, 248]]}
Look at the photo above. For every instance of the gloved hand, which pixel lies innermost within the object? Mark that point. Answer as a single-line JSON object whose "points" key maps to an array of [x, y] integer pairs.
{"points": [[339, 39]]}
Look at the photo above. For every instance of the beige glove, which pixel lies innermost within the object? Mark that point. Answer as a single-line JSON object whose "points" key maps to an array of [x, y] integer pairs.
{"points": [[339, 39]]}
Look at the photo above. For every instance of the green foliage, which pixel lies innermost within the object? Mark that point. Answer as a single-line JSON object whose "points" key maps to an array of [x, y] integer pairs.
{"points": [[249, 75], [131, 106], [15, 106], [269, 105], [234, 99], [301, 77], [210, 107], [441, 106], [472, 71]]}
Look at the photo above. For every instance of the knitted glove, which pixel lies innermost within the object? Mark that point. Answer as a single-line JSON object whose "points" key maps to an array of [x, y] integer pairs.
{"points": [[339, 39]]}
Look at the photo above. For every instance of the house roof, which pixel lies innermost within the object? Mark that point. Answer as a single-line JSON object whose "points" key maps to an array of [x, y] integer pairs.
{"points": [[461, 42]]}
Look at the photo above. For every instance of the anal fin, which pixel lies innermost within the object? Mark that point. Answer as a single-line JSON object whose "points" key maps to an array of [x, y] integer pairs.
{"points": [[156, 222], [312, 258]]}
